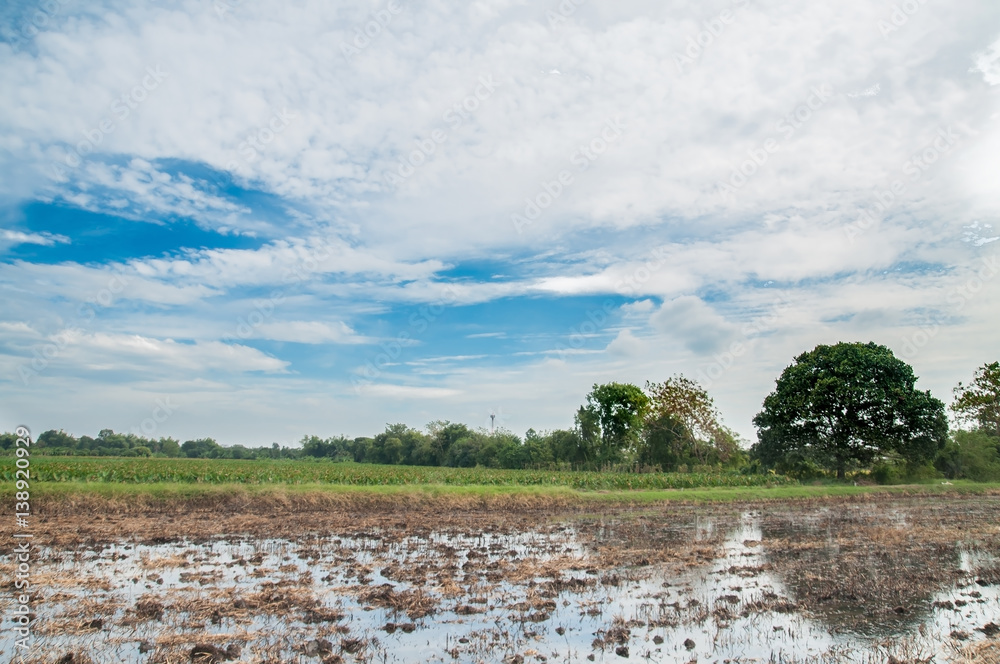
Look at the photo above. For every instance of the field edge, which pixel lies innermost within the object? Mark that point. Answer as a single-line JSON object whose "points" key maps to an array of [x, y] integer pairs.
{"points": [[124, 498]]}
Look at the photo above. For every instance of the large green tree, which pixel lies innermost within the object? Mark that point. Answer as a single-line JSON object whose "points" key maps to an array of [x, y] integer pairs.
{"points": [[846, 405], [444, 434], [537, 450], [587, 427], [571, 447], [620, 408], [399, 444], [979, 401]]}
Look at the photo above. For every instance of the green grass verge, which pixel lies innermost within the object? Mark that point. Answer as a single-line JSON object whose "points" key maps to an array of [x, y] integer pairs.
{"points": [[170, 492], [230, 481]]}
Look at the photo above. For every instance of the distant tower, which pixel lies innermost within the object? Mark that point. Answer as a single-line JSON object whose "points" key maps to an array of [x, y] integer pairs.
{"points": [[493, 417]]}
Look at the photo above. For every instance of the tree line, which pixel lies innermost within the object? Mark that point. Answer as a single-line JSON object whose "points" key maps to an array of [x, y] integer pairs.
{"points": [[838, 409], [109, 443], [669, 426]]}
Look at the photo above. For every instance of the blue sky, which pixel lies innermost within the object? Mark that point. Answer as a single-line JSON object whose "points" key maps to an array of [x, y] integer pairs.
{"points": [[311, 217]]}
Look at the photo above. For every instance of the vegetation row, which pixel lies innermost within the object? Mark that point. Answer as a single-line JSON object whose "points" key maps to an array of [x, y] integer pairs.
{"points": [[837, 410], [228, 471]]}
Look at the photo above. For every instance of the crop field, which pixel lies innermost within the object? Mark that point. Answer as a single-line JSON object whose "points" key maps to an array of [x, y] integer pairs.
{"points": [[226, 471], [259, 562], [868, 579]]}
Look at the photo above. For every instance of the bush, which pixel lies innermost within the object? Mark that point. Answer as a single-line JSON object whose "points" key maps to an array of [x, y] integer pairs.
{"points": [[796, 464], [920, 472], [895, 470], [973, 455], [885, 472]]}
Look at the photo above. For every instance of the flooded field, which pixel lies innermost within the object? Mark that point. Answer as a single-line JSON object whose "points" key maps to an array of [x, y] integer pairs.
{"points": [[874, 580]]}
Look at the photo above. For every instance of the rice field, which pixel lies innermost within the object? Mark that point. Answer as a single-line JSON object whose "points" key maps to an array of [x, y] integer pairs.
{"points": [[880, 579], [171, 561], [135, 470]]}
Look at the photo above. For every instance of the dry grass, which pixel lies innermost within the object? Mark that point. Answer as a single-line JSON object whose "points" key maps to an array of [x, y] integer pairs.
{"points": [[984, 652], [840, 560]]}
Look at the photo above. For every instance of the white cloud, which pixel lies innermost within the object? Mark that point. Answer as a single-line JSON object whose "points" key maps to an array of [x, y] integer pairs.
{"points": [[75, 353], [309, 332], [988, 63], [282, 262], [638, 309], [139, 190], [19, 329], [626, 345], [408, 391], [10, 238], [346, 252], [99, 286], [693, 323], [360, 118], [114, 352]]}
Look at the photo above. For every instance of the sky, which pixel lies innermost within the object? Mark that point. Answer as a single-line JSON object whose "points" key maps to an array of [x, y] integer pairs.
{"points": [[258, 220]]}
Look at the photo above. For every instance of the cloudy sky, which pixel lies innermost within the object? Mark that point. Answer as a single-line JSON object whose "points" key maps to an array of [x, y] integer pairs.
{"points": [[257, 220]]}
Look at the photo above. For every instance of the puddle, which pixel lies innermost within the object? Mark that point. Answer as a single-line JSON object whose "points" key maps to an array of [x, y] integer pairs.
{"points": [[842, 583]]}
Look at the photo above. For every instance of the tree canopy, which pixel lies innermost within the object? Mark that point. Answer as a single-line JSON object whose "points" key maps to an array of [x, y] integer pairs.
{"points": [[683, 426], [979, 402], [620, 408], [846, 405]]}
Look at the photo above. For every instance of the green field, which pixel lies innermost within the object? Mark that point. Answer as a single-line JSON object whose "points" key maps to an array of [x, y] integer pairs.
{"points": [[143, 495], [227, 471], [136, 481]]}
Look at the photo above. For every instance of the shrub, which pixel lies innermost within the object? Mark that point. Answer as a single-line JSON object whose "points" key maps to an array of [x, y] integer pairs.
{"points": [[973, 455], [920, 472], [886, 472]]}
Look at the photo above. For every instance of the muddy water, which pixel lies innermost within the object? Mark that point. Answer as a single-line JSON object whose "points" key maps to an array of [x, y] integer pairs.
{"points": [[844, 582]]}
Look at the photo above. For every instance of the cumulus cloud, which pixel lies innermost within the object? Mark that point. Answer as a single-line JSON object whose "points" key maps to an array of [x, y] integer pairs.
{"points": [[626, 345], [365, 115], [693, 323], [282, 262], [800, 149]]}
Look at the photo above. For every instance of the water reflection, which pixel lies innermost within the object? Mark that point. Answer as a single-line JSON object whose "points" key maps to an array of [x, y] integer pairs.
{"points": [[777, 584], [873, 572]]}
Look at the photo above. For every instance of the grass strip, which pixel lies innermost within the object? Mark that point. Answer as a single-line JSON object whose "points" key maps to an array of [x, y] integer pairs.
{"points": [[128, 497]]}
